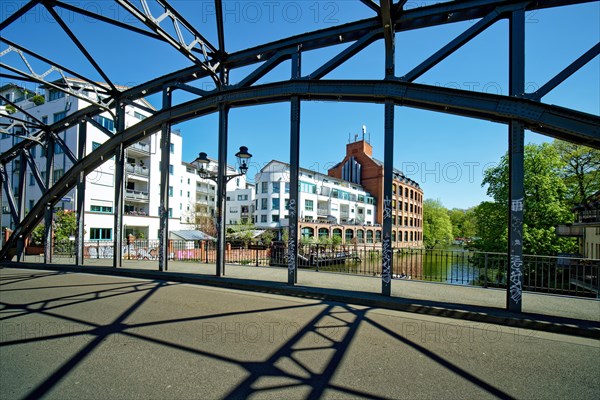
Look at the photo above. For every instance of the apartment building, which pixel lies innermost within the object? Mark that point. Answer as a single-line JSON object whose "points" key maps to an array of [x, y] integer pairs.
{"points": [[361, 168], [142, 169], [327, 206]]}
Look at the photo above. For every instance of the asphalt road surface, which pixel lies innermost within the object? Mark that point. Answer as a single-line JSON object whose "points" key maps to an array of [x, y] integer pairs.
{"points": [[79, 336]]}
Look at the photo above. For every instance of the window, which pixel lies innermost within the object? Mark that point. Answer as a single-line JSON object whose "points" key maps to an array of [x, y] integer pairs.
{"points": [[58, 173], [307, 187], [308, 205], [100, 233], [286, 203], [276, 187], [106, 123], [369, 211], [287, 187], [31, 180], [55, 94], [172, 148], [170, 169], [263, 204], [170, 191], [101, 209], [263, 218], [242, 197], [170, 213], [188, 194], [58, 149], [275, 203], [45, 120], [95, 145], [264, 187], [139, 116], [59, 115], [31, 204], [275, 218]]}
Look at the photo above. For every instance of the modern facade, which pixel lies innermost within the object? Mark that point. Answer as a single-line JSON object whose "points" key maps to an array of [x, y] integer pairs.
{"points": [[360, 168], [327, 206], [142, 168]]}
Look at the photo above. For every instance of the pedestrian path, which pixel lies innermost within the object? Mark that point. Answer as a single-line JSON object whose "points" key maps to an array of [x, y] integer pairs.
{"points": [[465, 302]]}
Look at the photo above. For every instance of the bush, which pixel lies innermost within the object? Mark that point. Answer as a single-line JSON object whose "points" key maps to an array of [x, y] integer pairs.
{"points": [[38, 99]]}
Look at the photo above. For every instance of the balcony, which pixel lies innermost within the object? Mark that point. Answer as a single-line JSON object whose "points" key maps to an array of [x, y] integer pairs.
{"points": [[570, 230], [136, 195], [137, 170], [322, 211], [140, 147]]}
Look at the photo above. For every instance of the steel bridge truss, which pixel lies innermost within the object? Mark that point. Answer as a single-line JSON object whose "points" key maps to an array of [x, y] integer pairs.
{"points": [[518, 110]]}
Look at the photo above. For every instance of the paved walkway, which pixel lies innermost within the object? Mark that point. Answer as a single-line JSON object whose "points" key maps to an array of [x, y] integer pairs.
{"points": [[82, 336], [467, 302]]}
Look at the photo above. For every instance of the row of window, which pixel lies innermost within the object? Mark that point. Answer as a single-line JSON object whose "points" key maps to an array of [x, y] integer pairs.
{"points": [[407, 207], [409, 193], [406, 236]]}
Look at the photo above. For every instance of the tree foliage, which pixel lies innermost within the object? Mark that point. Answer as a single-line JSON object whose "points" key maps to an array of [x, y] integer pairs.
{"points": [[581, 170], [546, 202], [64, 225], [437, 228], [464, 224]]}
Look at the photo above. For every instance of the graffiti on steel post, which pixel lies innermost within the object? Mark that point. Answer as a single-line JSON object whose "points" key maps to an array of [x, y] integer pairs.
{"points": [[387, 208], [161, 240], [292, 237], [386, 275], [386, 260], [516, 274]]}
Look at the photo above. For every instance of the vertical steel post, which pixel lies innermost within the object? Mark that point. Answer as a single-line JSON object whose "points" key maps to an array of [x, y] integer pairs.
{"points": [[48, 213], [1, 204], [221, 189], [514, 287], [22, 201], [388, 166], [119, 184], [294, 175], [81, 141], [165, 160], [388, 160]]}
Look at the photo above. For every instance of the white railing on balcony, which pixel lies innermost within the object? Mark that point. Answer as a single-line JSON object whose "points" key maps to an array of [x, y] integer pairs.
{"points": [[136, 194], [140, 146], [138, 170]]}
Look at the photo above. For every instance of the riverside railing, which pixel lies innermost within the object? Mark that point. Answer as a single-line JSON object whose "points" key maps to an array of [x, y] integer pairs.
{"points": [[557, 275]]}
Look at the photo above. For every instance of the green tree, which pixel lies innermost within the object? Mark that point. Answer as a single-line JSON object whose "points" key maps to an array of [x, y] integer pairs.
{"points": [[581, 170], [437, 228], [463, 223], [545, 201], [491, 225], [65, 225]]}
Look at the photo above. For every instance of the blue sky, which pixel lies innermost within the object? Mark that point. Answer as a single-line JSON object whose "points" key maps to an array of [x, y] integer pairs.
{"points": [[446, 154]]}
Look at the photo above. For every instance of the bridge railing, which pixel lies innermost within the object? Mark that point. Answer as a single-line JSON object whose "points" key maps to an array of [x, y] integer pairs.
{"points": [[557, 275]]}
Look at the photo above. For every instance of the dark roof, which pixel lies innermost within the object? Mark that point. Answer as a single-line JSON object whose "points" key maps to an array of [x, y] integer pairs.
{"points": [[398, 174]]}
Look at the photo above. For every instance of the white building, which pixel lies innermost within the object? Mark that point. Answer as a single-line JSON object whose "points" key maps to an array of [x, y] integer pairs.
{"points": [[322, 198], [142, 170], [240, 206]]}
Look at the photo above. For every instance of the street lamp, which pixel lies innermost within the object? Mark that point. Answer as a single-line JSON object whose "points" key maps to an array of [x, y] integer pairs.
{"points": [[202, 161]]}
